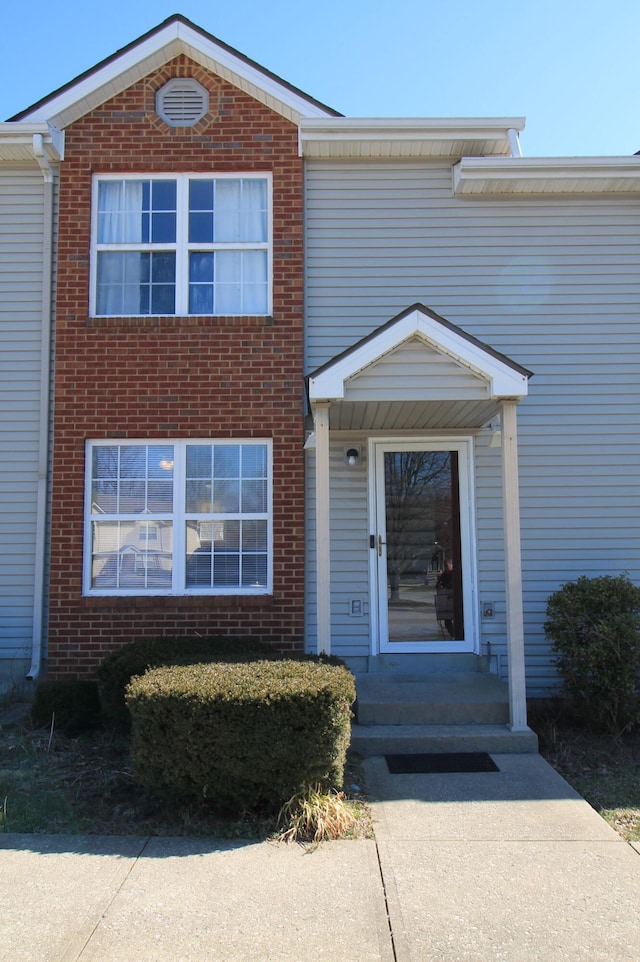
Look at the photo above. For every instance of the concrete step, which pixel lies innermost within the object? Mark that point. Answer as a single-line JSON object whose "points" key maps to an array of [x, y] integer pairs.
{"points": [[448, 698], [371, 740]]}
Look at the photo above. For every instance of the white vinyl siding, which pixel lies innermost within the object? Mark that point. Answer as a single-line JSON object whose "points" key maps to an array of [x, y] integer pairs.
{"points": [[553, 283], [21, 237], [413, 368], [349, 553]]}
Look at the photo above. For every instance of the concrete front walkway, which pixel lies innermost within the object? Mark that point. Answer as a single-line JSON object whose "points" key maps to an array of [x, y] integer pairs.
{"points": [[509, 865]]}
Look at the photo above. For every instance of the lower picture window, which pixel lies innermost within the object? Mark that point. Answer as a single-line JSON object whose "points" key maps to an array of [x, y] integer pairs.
{"points": [[178, 518]]}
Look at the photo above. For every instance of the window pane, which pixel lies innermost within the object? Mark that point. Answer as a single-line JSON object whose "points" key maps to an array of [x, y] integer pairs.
{"points": [[253, 224], [254, 571], [164, 194], [121, 557], [198, 499], [254, 299], [254, 461], [200, 211], [132, 497], [226, 571], [201, 195], [199, 571], [226, 460], [200, 228], [162, 299], [163, 228], [199, 460], [160, 459], [228, 267], [200, 299], [254, 535], [123, 282], [254, 497], [227, 211], [226, 536], [120, 212], [160, 497], [104, 461], [104, 497], [228, 299], [133, 461], [226, 497]]}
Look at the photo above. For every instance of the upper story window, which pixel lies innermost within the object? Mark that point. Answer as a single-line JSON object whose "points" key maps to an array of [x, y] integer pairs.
{"points": [[181, 244]]}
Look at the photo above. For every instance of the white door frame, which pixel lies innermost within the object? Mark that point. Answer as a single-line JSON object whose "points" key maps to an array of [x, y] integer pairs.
{"points": [[378, 562]]}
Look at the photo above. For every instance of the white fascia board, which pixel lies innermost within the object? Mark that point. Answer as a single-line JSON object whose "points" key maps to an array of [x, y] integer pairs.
{"points": [[546, 174], [393, 129], [171, 41], [460, 128], [504, 381], [16, 138]]}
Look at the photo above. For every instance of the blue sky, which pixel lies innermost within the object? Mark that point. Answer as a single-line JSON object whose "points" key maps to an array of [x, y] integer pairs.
{"points": [[568, 66]]}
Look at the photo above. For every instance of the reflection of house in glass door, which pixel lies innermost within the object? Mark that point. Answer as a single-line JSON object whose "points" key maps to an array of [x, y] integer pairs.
{"points": [[425, 563]]}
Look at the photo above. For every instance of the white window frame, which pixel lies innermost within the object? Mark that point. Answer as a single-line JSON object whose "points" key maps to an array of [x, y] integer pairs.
{"points": [[178, 518], [182, 247]]}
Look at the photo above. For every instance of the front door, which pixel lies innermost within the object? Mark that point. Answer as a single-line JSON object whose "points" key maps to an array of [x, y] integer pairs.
{"points": [[424, 570]]}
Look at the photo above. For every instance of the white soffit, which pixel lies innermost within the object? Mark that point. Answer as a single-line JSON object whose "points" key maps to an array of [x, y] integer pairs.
{"points": [[475, 176], [379, 138], [16, 142], [153, 51], [506, 380]]}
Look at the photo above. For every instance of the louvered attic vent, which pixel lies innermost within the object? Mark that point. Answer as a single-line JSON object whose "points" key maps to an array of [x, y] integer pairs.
{"points": [[182, 102]]}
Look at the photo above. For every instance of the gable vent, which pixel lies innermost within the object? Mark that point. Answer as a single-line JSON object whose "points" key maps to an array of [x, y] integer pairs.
{"points": [[182, 102]]}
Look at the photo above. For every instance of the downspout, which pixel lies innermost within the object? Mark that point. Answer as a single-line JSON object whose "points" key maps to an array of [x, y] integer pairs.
{"points": [[514, 142], [45, 378]]}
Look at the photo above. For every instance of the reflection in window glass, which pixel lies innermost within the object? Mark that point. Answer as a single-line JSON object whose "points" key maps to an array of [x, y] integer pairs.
{"points": [[215, 495]]}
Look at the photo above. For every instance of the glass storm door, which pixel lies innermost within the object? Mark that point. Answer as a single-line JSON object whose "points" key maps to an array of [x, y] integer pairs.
{"points": [[422, 546]]}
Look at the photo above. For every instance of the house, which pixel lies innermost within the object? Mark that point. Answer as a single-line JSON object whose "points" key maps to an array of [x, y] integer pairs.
{"points": [[361, 386]]}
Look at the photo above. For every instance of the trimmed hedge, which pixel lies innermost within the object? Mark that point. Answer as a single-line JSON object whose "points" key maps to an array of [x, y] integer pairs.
{"points": [[244, 736], [75, 704], [594, 624], [117, 669]]}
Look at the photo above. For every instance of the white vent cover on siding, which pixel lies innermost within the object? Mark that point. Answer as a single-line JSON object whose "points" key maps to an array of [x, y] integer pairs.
{"points": [[182, 102]]}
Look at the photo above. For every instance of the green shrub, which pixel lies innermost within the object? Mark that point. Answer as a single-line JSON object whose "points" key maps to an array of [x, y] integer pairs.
{"points": [[594, 624], [117, 669], [74, 703], [244, 736]]}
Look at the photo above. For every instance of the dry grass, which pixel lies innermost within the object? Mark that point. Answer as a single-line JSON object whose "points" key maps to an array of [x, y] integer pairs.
{"points": [[605, 770], [316, 816], [50, 783]]}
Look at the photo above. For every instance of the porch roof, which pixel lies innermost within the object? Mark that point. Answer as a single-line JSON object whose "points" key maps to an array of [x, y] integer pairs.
{"points": [[418, 371]]}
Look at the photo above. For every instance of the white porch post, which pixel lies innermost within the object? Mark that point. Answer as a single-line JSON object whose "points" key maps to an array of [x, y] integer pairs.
{"points": [[323, 558], [513, 566]]}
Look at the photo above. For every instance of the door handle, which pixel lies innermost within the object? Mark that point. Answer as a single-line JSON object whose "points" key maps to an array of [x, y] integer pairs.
{"points": [[380, 543]]}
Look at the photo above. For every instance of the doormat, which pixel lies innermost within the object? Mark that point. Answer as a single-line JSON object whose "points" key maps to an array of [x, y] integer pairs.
{"points": [[440, 762]]}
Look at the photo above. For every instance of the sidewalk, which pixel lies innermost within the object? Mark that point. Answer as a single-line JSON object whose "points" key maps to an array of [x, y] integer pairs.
{"points": [[510, 866]]}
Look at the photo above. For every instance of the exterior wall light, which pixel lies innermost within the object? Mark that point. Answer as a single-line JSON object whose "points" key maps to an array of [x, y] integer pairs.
{"points": [[352, 455]]}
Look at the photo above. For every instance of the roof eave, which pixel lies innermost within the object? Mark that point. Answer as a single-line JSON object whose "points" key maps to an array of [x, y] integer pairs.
{"points": [[481, 176], [17, 142], [453, 137]]}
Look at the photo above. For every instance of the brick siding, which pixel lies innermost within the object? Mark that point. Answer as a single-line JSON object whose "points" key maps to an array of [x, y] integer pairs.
{"points": [[176, 377]]}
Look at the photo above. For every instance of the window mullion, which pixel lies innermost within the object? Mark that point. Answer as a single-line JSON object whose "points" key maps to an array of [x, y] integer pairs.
{"points": [[179, 524], [182, 251]]}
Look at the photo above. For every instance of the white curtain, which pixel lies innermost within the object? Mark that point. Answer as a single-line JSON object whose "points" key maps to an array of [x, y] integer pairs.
{"points": [[120, 211]]}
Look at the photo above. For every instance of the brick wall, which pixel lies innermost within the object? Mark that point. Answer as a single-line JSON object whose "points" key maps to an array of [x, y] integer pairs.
{"points": [[176, 377]]}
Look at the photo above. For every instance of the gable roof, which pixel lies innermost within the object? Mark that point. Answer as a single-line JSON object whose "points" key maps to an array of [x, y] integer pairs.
{"points": [[174, 36], [507, 378]]}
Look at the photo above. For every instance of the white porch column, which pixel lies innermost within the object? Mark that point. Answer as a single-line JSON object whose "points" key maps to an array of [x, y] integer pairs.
{"points": [[323, 557], [513, 566]]}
